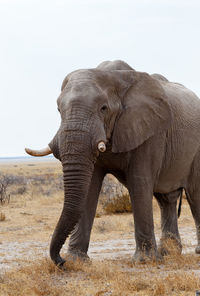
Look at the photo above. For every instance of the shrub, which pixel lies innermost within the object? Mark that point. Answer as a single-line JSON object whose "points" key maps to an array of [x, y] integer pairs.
{"points": [[4, 196], [2, 216], [21, 190], [118, 204], [114, 197]]}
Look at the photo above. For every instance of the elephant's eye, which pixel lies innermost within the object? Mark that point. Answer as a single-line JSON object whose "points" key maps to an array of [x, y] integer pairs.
{"points": [[104, 108], [58, 109]]}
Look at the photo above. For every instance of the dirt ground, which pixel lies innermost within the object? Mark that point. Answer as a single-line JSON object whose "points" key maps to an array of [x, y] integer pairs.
{"points": [[26, 226]]}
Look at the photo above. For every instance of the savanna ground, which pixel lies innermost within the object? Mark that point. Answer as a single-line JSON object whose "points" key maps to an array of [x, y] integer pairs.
{"points": [[27, 221]]}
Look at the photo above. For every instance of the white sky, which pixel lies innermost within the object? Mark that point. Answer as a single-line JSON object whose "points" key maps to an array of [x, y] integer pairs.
{"points": [[41, 41]]}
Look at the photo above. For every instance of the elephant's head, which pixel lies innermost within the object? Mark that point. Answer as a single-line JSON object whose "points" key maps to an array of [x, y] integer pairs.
{"points": [[120, 107]]}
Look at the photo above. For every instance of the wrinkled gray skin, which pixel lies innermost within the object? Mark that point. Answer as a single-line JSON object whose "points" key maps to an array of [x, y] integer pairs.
{"points": [[152, 130]]}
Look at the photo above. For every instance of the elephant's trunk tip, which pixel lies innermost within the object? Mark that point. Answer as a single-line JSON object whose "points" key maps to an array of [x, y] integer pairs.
{"points": [[41, 152]]}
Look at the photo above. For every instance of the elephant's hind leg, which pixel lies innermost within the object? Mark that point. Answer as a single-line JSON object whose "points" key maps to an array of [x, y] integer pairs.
{"points": [[169, 222], [80, 237], [193, 196]]}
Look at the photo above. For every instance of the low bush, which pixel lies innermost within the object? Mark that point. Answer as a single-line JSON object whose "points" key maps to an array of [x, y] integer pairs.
{"points": [[118, 204], [4, 196], [2, 216], [114, 197]]}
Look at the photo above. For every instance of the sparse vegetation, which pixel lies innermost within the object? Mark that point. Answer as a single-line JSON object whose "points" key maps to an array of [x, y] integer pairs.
{"points": [[36, 201], [99, 278]]}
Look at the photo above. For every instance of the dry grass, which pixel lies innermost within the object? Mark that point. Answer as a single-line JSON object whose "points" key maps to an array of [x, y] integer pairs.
{"points": [[31, 215], [101, 278], [32, 182]]}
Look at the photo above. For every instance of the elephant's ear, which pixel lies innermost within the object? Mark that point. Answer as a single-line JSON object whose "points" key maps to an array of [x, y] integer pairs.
{"points": [[144, 113]]}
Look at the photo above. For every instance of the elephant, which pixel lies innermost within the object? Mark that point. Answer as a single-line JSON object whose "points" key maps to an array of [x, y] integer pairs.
{"points": [[143, 129]]}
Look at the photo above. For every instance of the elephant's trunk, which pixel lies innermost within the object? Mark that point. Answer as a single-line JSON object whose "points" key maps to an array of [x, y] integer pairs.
{"points": [[77, 173]]}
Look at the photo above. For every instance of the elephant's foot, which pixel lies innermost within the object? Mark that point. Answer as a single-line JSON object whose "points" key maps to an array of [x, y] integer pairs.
{"points": [[197, 249], [170, 246], [145, 257], [74, 254]]}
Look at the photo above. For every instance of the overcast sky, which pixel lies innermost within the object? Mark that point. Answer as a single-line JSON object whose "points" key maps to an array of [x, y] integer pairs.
{"points": [[41, 41]]}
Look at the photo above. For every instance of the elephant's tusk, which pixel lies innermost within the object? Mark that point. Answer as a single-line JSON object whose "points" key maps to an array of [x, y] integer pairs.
{"points": [[41, 152], [101, 147]]}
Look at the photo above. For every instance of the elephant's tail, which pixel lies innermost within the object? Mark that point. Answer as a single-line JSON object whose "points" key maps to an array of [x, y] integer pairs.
{"points": [[180, 203]]}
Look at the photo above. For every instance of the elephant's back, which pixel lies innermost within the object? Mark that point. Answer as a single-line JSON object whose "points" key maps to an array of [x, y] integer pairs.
{"points": [[184, 105]]}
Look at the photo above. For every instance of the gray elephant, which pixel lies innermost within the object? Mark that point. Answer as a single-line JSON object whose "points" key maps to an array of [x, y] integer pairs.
{"points": [[141, 128]]}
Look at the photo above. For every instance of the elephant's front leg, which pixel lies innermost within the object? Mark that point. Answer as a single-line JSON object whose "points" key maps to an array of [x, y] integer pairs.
{"points": [[80, 237], [141, 193]]}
